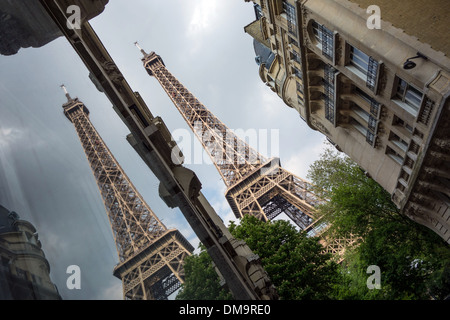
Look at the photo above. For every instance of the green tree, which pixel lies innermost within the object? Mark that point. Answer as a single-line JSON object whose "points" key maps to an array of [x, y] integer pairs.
{"points": [[409, 255], [294, 262], [201, 280], [355, 199]]}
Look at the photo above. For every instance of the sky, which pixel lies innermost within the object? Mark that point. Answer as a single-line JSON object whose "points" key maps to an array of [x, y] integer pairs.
{"points": [[44, 174]]}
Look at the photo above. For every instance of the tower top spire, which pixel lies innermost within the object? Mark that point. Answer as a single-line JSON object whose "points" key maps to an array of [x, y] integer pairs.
{"points": [[69, 98], [139, 47]]}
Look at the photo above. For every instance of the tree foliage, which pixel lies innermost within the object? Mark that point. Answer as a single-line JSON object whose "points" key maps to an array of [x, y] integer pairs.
{"points": [[201, 280], [414, 261], [355, 200], [409, 255], [294, 262]]}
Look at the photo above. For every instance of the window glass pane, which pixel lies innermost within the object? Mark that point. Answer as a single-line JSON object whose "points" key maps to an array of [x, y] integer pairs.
{"points": [[328, 95], [360, 63], [413, 99], [299, 87], [401, 85], [409, 128], [324, 38], [358, 126], [327, 43], [401, 89], [394, 155], [399, 142], [401, 145], [295, 43], [372, 124], [372, 71], [362, 94], [397, 158], [21, 273], [370, 137], [258, 11], [291, 17], [317, 32], [360, 112], [409, 95], [415, 92], [360, 54]]}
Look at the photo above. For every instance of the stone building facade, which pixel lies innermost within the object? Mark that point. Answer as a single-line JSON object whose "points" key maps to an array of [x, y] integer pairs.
{"points": [[24, 270], [375, 81]]}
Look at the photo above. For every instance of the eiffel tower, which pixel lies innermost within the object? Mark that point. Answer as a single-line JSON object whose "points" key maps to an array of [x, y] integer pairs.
{"points": [[150, 255], [255, 185]]}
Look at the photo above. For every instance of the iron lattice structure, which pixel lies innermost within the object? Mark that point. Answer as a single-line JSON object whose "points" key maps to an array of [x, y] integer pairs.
{"points": [[150, 255], [255, 185]]}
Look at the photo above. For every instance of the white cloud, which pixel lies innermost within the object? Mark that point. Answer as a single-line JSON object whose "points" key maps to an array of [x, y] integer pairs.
{"points": [[54, 244], [205, 19], [300, 161], [9, 136], [204, 13]]}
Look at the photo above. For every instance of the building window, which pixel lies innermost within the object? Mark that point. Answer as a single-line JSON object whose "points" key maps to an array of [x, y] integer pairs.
{"points": [[404, 177], [375, 106], [290, 17], [324, 39], [297, 73], [370, 138], [299, 87], [364, 67], [408, 97], [418, 134], [372, 74], [300, 94], [292, 41], [266, 58], [301, 102], [317, 31], [361, 112], [360, 61], [358, 126], [258, 11], [329, 96], [372, 124], [21, 273], [401, 123], [271, 82], [394, 155], [295, 57], [399, 142]]}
